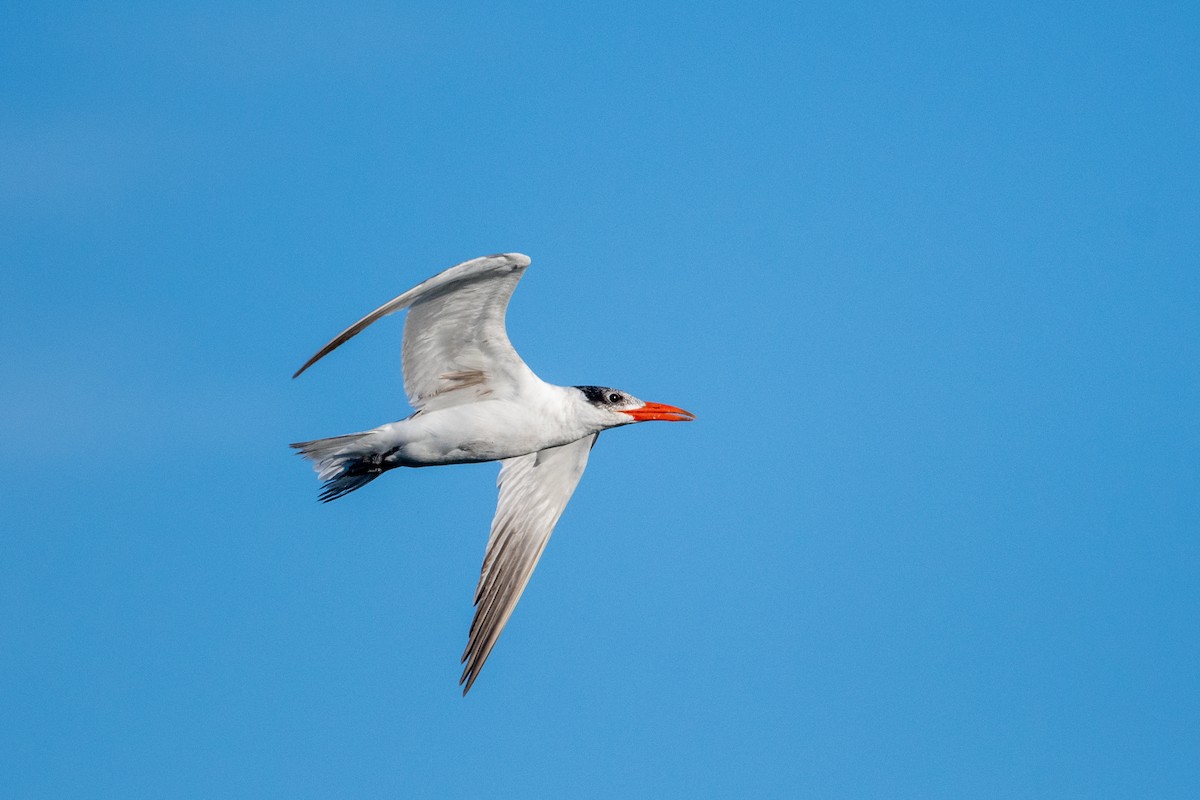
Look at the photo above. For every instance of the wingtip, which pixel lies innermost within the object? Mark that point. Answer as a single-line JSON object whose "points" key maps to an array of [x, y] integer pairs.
{"points": [[470, 670]]}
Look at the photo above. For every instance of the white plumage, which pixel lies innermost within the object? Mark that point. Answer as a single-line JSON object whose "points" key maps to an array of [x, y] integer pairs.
{"points": [[476, 400]]}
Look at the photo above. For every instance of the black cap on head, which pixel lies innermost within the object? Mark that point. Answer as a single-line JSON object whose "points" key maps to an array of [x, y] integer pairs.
{"points": [[594, 394]]}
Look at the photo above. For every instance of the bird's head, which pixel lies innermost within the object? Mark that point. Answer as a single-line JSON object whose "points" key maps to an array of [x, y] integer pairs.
{"points": [[609, 408]]}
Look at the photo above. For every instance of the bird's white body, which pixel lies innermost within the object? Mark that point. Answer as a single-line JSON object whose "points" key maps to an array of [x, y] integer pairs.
{"points": [[489, 430], [476, 400]]}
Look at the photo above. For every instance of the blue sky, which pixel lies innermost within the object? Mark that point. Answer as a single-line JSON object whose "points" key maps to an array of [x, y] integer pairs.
{"points": [[926, 273]]}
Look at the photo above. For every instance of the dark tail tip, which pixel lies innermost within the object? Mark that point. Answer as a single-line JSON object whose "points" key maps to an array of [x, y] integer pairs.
{"points": [[344, 484]]}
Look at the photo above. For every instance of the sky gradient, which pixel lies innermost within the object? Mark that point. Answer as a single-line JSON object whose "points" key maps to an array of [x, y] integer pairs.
{"points": [[926, 273]]}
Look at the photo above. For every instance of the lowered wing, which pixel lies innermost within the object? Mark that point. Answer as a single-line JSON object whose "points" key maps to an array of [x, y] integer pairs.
{"points": [[534, 490]]}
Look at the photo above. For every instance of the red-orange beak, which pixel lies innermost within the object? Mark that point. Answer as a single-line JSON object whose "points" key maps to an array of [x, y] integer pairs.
{"points": [[660, 411]]}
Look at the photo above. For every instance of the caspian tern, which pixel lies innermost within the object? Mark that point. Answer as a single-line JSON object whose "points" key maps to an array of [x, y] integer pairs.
{"points": [[476, 400]]}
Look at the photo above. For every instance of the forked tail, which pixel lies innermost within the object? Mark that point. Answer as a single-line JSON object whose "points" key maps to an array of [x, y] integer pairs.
{"points": [[345, 463]]}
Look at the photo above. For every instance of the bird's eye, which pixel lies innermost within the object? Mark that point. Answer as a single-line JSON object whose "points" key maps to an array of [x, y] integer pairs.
{"points": [[613, 397]]}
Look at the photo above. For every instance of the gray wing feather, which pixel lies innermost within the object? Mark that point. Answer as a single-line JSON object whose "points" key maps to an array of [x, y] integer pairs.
{"points": [[456, 348], [454, 338], [534, 490]]}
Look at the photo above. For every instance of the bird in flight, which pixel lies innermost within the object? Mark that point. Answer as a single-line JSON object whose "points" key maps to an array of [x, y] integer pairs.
{"points": [[476, 400]]}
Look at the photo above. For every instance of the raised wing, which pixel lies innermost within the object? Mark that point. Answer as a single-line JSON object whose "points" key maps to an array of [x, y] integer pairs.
{"points": [[455, 347], [534, 490]]}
